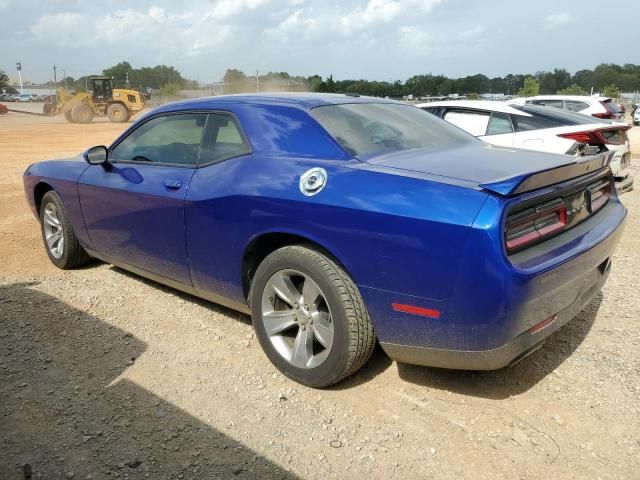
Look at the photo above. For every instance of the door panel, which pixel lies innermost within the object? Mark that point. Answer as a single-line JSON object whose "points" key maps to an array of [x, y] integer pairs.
{"points": [[135, 214]]}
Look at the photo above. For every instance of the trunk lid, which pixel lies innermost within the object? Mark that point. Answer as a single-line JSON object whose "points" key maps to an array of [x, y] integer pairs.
{"points": [[503, 171]]}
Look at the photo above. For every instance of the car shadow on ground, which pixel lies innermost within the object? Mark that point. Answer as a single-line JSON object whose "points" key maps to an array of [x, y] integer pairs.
{"points": [[64, 409], [514, 380], [214, 307]]}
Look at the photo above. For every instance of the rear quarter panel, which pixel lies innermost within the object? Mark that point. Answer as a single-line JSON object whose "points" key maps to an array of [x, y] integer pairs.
{"points": [[391, 232]]}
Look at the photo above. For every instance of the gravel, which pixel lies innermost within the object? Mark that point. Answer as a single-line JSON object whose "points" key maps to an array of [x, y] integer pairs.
{"points": [[104, 375]]}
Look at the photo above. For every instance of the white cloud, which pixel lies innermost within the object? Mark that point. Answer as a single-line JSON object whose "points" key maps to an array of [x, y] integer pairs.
{"points": [[227, 8], [413, 38], [160, 31], [556, 20]]}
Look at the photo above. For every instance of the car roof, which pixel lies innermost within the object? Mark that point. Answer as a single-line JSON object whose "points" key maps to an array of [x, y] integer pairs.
{"points": [[490, 105], [580, 98], [304, 100]]}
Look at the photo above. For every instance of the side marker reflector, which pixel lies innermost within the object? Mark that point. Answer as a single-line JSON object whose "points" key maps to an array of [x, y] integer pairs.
{"points": [[423, 312], [543, 324]]}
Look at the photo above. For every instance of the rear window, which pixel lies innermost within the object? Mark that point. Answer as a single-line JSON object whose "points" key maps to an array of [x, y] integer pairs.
{"points": [[371, 128], [549, 103], [612, 106], [560, 117], [524, 124]]}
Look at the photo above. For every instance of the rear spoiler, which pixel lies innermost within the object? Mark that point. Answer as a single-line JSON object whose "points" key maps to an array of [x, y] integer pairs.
{"points": [[527, 182]]}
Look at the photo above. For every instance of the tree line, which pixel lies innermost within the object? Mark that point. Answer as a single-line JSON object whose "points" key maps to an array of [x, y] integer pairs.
{"points": [[606, 78]]}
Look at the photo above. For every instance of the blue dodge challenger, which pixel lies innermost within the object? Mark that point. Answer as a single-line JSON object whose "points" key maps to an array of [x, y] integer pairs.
{"points": [[337, 221]]}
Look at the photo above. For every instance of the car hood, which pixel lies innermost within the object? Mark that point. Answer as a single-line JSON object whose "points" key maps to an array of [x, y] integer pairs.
{"points": [[501, 170]]}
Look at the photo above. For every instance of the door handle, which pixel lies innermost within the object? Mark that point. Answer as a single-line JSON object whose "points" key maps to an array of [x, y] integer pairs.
{"points": [[173, 184]]}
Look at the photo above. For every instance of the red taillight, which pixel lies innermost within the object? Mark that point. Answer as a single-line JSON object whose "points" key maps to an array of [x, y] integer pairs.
{"points": [[531, 226], [600, 194], [602, 115], [588, 136], [615, 135]]}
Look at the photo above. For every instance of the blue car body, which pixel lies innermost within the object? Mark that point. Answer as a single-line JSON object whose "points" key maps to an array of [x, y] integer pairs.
{"points": [[416, 228]]}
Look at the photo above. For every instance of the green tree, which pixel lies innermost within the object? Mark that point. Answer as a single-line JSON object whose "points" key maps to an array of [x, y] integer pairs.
{"points": [[574, 89], [4, 81], [531, 88], [611, 90]]}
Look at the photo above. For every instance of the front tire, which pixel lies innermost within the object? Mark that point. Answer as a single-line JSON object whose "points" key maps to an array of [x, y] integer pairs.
{"points": [[309, 317], [82, 113], [117, 113], [59, 239]]}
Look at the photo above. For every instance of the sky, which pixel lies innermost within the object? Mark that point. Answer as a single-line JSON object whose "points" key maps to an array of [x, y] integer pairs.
{"points": [[352, 39]]}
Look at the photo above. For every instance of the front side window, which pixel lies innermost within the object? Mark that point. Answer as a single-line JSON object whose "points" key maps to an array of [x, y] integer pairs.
{"points": [[470, 121], [170, 139], [375, 128]]}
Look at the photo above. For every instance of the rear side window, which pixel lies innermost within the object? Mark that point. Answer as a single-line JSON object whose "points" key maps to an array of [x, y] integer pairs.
{"points": [[499, 124], [372, 128], [223, 139], [169, 139], [576, 106], [525, 124], [474, 122]]}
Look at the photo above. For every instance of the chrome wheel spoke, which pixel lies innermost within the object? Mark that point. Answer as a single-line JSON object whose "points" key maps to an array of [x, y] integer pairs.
{"points": [[278, 321], [302, 348], [323, 329], [310, 293], [285, 289], [295, 318], [53, 233]]}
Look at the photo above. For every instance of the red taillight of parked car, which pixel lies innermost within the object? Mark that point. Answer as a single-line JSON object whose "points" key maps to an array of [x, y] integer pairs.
{"points": [[600, 194], [588, 136], [535, 224]]}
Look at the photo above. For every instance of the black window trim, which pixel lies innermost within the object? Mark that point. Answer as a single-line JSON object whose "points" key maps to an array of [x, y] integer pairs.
{"points": [[197, 165]]}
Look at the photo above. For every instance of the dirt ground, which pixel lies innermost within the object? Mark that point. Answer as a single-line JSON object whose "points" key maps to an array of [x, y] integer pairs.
{"points": [[105, 375]]}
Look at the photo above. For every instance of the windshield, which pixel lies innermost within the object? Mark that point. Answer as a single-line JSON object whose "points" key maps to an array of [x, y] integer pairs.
{"points": [[371, 128]]}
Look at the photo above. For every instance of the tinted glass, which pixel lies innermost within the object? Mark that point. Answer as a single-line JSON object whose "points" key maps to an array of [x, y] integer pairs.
{"points": [[499, 124], [524, 124], [560, 117], [575, 106], [611, 105], [370, 128], [549, 103], [222, 140], [171, 139]]}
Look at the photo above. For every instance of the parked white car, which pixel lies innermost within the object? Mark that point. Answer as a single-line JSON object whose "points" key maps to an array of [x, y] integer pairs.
{"points": [[599, 107], [636, 116], [539, 128]]}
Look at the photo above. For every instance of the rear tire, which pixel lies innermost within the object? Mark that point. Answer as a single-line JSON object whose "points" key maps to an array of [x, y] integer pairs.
{"points": [[82, 113], [117, 113], [329, 317], [59, 239]]}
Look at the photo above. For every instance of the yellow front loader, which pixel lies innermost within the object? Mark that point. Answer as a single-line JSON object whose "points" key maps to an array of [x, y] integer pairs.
{"points": [[103, 100]]}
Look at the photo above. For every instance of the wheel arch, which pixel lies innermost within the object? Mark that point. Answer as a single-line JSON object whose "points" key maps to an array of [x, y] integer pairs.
{"points": [[39, 191], [265, 243]]}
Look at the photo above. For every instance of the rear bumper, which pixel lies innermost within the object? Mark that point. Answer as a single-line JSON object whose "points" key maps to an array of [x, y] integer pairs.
{"points": [[624, 185], [509, 353]]}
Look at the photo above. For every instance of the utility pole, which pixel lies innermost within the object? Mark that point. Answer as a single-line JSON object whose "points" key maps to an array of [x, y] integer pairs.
{"points": [[64, 78], [55, 78], [257, 81], [19, 68]]}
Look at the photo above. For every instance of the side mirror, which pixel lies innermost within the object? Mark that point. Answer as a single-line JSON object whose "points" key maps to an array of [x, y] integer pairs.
{"points": [[96, 155]]}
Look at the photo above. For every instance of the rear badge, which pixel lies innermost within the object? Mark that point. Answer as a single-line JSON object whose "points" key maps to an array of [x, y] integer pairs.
{"points": [[313, 181]]}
